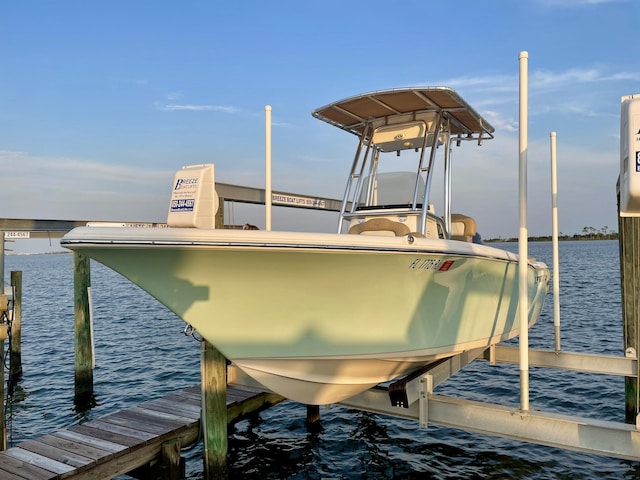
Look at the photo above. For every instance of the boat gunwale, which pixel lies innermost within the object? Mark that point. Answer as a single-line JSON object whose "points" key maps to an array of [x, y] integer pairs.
{"points": [[86, 237]]}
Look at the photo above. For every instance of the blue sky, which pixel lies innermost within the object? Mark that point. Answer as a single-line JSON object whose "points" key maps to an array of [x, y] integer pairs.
{"points": [[101, 102]]}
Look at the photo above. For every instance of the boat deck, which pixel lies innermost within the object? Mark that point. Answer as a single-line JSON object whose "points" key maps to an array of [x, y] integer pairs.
{"points": [[123, 441]]}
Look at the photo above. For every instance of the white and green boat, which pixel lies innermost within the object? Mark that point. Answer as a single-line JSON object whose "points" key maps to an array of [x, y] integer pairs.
{"points": [[320, 317]]}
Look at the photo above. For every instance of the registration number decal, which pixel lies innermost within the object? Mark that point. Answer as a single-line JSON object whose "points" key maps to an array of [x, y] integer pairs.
{"points": [[431, 264]]}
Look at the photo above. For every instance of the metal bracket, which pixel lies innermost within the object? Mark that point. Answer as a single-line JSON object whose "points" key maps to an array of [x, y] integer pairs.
{"points": [[426, 389], [492, 355], [406, 390]]}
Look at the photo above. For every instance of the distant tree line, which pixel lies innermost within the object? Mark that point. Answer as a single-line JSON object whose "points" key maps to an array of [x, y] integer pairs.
{"points": [[588, 233]]}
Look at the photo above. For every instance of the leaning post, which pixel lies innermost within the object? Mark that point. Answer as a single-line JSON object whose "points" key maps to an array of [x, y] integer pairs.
{"points": [[83, 348]]}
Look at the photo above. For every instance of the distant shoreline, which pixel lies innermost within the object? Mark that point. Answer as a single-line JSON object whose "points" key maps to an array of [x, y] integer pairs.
{"points": [[563, 238], [57, 252]]}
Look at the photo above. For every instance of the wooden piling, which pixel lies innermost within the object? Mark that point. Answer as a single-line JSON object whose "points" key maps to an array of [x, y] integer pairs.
{"points": [[313, 417], [83, 348], [214, 411], [3, 423], [172, 461], [629, 241], [15, 364]]}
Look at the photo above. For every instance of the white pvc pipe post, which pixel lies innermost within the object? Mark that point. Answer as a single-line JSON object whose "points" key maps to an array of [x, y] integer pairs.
{"points": [[554, 221], [1, 262], [267, 190], [523, 238], [93, 340]]}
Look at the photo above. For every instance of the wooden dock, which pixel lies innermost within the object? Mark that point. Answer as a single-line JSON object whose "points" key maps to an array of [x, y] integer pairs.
{"points": [[124, 441]]}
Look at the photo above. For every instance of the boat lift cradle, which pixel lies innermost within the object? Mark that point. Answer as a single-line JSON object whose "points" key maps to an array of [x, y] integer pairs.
{"points": [[415, 400]]}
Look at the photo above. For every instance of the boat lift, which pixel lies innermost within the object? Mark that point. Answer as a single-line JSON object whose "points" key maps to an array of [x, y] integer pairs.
{"points": [[413, 397], [614, 439]]}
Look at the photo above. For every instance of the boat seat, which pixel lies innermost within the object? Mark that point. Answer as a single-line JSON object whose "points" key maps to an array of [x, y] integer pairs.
{"points": [[463, 228], [380, 225]]}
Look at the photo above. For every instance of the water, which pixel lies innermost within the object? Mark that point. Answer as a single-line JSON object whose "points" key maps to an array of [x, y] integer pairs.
{"points": [[141, 353]]}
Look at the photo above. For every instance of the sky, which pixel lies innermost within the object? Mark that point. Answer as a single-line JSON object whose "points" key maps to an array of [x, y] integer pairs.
{"points": [[102, 102]]}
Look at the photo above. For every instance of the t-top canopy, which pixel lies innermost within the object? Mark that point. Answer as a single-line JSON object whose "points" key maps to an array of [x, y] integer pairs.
{"points": [[352, 114]]}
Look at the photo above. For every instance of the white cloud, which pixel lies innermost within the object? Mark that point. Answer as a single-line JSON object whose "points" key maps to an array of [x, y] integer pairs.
{"points": [[172, 107], [539, 80], [542, 79], [174, 95], [70, 188], [490, 83]]}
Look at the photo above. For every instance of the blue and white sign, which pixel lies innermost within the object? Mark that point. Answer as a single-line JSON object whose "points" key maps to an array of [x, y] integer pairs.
{"points": [[185, 205]]}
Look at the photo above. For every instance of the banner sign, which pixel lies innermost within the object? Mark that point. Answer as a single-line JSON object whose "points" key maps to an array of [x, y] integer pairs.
{"points": [[293, 200]]}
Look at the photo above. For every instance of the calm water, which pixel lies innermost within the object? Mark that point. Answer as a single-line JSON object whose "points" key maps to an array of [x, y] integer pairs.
{"points": [[141, 353]]}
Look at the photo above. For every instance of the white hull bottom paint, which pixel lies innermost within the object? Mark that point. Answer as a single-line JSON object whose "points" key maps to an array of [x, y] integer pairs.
{"points": [[318, 318], [321, 381]]}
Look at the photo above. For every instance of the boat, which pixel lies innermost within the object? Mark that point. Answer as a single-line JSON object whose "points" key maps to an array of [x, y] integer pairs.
{"points": [[321, 317]]}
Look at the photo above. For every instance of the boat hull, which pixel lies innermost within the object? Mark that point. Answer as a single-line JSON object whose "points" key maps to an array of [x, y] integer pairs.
{"points": [[321, 317]]}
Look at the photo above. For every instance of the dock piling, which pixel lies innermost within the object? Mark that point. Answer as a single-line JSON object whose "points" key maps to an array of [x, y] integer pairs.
{"points": [[3, 423], [172, 462], [313, 419], [15, 364], [214, 411], [83, 348], [629, 238]]}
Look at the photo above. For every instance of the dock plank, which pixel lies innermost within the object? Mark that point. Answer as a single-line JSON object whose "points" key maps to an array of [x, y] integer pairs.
{"points": [[165, 415], [79, 448], [192, 401], [118, 465], [106, 435], [157, 418], [188, 412], [22, 469], [60, 455], [5, 475], [191, 394], [38, 460], [130, 419], [129, 432], [90, 442]]}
